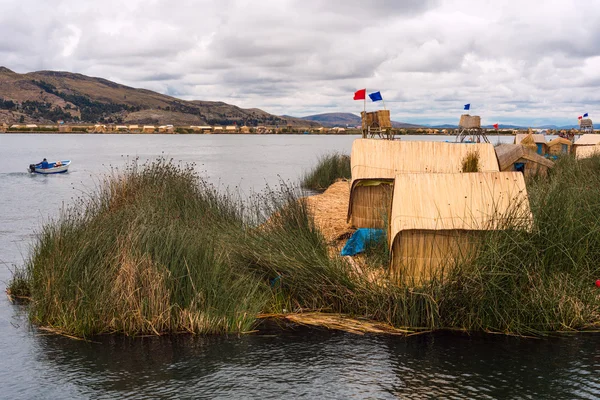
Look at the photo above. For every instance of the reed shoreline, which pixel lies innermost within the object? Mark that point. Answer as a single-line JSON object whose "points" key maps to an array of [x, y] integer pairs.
{"points": [[157, 250]]}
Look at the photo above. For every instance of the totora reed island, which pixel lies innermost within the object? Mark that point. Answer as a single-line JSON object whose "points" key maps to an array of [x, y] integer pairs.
{"points": [[455, 237]]}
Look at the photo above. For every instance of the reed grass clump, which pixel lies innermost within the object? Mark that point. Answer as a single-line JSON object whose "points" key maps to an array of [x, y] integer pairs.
{"points": [[143, 255], [329, 169], [471, 162]]}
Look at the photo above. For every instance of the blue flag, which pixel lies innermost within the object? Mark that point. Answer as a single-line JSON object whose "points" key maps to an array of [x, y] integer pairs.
{"points": [[467, 106], [375, 96], [585, 115]]}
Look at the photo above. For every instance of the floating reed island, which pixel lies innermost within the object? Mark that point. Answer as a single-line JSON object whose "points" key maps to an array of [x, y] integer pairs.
{"points": [[158, 250]]}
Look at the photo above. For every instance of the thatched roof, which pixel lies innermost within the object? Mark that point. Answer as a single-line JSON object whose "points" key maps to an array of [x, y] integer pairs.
{"points": [[383, 159], [588, 140], [537, 138], [475, 201], [559, 141], [508, 154]]}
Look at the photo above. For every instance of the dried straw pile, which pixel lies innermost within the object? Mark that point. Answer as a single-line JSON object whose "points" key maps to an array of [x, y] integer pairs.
{"points": [[329, 210]]}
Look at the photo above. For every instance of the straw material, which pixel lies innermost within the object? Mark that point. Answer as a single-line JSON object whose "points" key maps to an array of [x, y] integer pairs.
{"points": [[436, 216], [588, 140], [420, 255], [376, 162], [469, 121], [556, 146], [476, 201], [383, 159], [339, 322], [329, 211], [511, 154], [371, 204], [535, 138], [585, 123], [586, 151], [379, 118]]}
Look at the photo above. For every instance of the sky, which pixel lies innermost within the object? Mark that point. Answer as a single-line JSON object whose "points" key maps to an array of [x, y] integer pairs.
{"points": [[516, 62]]}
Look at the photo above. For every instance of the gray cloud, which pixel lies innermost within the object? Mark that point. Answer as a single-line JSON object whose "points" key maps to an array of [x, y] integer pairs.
{"points": [[512, 60]]}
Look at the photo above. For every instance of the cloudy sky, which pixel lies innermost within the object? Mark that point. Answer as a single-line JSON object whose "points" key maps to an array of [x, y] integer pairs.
{"points": [[524, 61]]}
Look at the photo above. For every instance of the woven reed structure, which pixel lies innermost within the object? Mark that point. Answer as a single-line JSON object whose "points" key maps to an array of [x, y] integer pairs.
{"points": [[559, 146], [375, 163], [587, 151], [536, 142], [469, 129], [436, 219], [517, 157], [376, 123], [586, 125]]}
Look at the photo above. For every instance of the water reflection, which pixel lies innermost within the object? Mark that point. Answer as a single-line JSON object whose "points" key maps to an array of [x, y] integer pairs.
{"points": [[323, 364]]}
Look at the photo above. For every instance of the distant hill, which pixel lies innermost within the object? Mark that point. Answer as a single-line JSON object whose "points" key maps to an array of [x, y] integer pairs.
{"points": [[347, 119], [50, 96]]}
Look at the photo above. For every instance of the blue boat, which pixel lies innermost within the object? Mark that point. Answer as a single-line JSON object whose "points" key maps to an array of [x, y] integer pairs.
{"points": [[58, 167]]}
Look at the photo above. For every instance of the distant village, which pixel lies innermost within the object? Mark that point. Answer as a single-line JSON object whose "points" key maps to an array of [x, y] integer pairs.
{"points": [[234, 129]]}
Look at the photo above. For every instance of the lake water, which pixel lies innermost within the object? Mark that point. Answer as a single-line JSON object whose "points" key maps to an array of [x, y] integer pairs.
{"points": [[270, 364]]}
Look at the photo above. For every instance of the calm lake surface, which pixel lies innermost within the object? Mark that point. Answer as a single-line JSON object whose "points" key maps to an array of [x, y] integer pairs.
{"points": [[271, 364]]}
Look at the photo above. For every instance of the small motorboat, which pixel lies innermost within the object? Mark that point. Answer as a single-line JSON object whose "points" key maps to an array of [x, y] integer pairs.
{"points": [[57, 167]]}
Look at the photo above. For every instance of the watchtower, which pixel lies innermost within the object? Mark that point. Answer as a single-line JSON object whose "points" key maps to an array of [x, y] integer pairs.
{"points": [[586, 126], [469, 130], [377, 124]]}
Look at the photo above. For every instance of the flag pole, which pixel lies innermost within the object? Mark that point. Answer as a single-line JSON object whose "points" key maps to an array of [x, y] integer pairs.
{"points": [[383, 101]]}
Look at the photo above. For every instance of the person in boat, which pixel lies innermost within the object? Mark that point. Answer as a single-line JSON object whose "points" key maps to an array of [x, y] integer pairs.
{"points": [[43, 164]]}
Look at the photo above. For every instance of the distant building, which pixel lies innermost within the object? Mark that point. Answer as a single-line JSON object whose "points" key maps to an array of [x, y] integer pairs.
{"points": [[166, 129]]}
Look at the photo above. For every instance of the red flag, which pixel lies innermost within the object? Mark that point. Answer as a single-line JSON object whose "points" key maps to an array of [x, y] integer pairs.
{"points": [[495, 126], [577, 117], [360, 94]]}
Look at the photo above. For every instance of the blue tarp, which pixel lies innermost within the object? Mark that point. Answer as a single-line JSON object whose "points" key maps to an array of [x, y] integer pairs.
{"points": [[358, 241]]}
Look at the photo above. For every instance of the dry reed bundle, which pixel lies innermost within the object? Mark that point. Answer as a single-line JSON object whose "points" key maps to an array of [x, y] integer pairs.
{"points": [[329, 211], [340, 322]]}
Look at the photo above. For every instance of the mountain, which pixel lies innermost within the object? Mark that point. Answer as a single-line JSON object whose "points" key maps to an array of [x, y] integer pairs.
{"points": [[347, 119], [50, 96]]}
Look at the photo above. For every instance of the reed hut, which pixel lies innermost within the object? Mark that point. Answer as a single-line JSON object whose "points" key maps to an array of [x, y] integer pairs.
{"points": [[516, 157], [217, 129], [231, 129], [559, 146], [590, 139], [436, 219], [587, 151], [587, 140], [64, 128], [3, 127], [148, 129], [98, 128], [134, 128], [166, 129], [537, 142], [244, 129], [375, 163]]}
